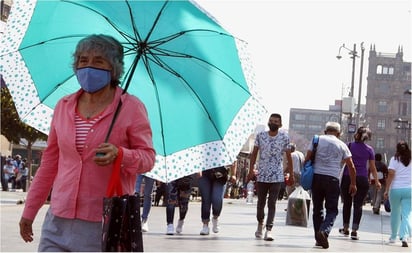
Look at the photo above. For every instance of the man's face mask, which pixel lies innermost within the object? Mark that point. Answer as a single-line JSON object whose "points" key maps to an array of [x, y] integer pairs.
{"points": [[273, 127], [93, 79]]}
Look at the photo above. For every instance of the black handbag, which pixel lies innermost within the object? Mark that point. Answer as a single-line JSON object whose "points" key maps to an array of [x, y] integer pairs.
{"points": [[218, 174], [121, 225]]}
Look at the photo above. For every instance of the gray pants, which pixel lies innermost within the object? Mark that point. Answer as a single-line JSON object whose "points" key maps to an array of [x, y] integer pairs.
{"points": [[60, 234]]}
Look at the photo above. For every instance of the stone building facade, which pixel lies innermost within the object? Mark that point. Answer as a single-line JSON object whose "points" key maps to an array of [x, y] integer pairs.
{"points": [[388, 100]]}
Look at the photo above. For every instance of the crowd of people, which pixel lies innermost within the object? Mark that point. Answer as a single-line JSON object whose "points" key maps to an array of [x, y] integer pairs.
{"points": [[14, 174], [79, 168]]}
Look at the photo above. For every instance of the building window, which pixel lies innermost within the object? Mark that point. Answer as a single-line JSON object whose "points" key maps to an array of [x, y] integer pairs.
{"points": [[391, 70], [315, 117], [385, 70], [300, 117], [315, 127], [382, 106], [383, 88], [298, 126], [381, 124], [403, 109], [380, 143], [379, 69]]}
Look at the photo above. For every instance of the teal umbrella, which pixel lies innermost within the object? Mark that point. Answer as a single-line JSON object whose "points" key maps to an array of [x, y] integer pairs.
{"points": [[188, 70]]}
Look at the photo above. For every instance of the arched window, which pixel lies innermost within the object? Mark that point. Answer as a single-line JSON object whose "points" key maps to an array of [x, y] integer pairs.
{"points": [[391, 70], [385, 70], [379, 69]]}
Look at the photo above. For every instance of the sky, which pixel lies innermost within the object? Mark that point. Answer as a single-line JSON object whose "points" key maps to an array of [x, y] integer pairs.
{"points": [[294, 44]]}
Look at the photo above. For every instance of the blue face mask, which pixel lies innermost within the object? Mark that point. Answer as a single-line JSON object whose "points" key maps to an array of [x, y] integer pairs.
{"points": [[93, 79]]}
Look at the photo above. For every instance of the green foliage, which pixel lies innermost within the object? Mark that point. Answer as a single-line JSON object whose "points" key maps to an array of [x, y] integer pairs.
{"points": [[11, 125]]}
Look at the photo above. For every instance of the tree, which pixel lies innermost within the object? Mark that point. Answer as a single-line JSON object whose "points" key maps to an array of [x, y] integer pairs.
{"points": [[14, 129]]}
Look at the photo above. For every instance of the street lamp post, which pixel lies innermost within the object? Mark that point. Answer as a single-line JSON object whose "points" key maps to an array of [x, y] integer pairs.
{"points": [[352, 86], [404, 125], [360, 86]]}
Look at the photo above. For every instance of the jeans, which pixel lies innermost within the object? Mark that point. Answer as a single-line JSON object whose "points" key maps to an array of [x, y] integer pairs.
{"points": [[147, 193], [325, 190], [263, 189], [176, 196], [400, 200], [212, 197], [362, 186]]}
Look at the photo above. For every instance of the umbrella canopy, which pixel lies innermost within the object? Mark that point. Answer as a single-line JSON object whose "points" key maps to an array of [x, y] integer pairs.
{"points": [[179, 61]]}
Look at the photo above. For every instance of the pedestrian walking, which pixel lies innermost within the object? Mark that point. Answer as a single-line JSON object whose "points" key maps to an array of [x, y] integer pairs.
{"points": [[271, 146], [398, 190], [382, 170], [325, 186], [363, 156], [178, 194], [297, 162], [77, 161], [212, 184], [147, 198]]}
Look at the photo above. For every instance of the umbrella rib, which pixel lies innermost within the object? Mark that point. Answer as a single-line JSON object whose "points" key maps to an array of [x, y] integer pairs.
{"points": [[124, 35], [154, 46], [156, 21], [174, 54], [135, 31], [45, 97], [170, 70]]}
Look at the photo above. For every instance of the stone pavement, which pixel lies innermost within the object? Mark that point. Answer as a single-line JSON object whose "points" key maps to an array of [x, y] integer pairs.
{"points": [[237, 227]]}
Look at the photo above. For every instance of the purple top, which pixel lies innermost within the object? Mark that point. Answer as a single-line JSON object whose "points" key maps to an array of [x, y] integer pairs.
{"points": [[361, 155]]}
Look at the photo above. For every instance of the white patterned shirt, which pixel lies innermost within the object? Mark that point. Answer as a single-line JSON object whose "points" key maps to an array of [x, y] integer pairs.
{"points": [[271, 149]]}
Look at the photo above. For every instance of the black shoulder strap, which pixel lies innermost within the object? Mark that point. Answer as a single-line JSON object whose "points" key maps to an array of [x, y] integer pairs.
{"points": [[315, 142]]}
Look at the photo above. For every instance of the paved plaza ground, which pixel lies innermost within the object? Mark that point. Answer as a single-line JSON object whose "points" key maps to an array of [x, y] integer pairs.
{"points": [[237, 227]]}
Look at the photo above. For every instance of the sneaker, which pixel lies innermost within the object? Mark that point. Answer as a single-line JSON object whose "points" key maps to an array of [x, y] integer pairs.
{"points": [[268, 236], [391, 240], [145, 226], [375, 211], [205, 230], [323, 239], [354, 235], [259, 231], [215, 225], [404, 243], [179, 227], [170, 229], [344, 232]]}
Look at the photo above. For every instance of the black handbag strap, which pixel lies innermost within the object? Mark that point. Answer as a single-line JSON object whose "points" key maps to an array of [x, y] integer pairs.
{"points": [[315, 142]]}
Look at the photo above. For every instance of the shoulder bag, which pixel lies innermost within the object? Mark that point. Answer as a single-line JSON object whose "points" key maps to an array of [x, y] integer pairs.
{"points": [[306, 176]]}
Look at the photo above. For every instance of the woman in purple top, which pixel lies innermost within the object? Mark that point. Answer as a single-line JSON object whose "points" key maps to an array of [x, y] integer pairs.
{"points": [[363, 156]]}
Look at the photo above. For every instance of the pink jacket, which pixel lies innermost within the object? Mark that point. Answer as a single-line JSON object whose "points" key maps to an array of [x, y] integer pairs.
{"points": [[79, 185]]}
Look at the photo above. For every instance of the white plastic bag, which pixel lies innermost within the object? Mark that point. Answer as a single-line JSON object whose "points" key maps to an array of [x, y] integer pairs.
{"points": [[298, 208]]}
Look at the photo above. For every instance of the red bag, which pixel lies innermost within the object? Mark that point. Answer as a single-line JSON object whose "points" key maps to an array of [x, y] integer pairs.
{"points": [[121, 225]]}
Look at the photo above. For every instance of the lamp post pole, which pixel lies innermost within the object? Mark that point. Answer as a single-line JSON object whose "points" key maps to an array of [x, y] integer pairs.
{"points": [[352, 86], [405, 126], [360, 86]]}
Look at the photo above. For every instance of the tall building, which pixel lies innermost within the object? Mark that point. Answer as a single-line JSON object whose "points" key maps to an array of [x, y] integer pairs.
{"points": [[388, 100]]}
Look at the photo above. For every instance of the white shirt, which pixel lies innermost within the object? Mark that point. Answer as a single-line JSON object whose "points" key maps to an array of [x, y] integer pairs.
{"points": [[402, 177], [297, 161]]}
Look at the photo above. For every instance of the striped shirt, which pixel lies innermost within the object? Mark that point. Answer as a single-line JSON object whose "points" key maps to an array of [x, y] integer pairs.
{"points": [[83, 127]]}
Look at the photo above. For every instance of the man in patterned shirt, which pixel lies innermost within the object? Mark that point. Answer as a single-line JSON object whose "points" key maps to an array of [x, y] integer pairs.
{"points": [[271, 146]]}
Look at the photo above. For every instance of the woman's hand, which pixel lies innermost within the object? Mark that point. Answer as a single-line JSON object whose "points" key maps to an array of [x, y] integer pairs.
{"points": [[233, 179], [385, 195], [106, 153], [26, 229]]}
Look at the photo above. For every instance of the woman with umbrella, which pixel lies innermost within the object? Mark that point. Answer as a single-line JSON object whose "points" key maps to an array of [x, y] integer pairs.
{"points": [[78, 161]]}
